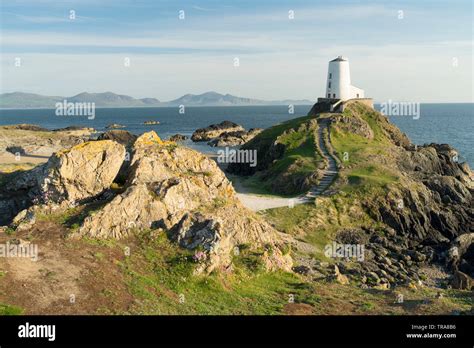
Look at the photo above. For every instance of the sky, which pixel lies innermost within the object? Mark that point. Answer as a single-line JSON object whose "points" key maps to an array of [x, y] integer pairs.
{"points": [[418, 51]]}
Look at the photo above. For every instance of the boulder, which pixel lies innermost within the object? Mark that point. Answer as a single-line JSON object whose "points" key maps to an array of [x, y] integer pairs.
{"points": [[120, 136], [462, 281], [24, 220], [81, 172], [215, 130], [235, 138], [339, 277], [185, 193], [461, 253], [134, 210], [178, 137]]}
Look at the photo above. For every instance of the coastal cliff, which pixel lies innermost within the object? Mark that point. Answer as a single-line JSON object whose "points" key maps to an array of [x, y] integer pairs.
{"points": [[401, 199], [143, 225]]}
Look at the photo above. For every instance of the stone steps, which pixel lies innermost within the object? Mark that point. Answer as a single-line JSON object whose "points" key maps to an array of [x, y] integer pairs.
{"points": [[330, 173]]}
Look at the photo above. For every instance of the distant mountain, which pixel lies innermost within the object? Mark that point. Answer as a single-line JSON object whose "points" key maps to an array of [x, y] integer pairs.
{"points": [[213, 99], [102, 100], [21, 100], [217, 99], [27, 100], [109, 99]]}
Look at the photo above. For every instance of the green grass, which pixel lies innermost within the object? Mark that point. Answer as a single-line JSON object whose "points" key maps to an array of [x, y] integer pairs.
{"points": [[160, 276], [273, 132], [370, 175], [301, 149], [255, 184], [299, 160], [362, 168], [10, 310], [358, 147], [286, 219]]}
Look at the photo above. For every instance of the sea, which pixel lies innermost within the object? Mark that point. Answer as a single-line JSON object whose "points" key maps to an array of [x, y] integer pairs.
{"points": [[437, 123]]}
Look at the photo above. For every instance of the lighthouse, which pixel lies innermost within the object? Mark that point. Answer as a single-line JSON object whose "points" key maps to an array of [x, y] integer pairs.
{"points": [[339, 81]]}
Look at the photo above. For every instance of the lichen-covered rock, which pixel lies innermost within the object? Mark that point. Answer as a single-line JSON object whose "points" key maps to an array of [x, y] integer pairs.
{"points": [[220, 233], [135, 209], [81, 172], [150, 138], [235, 138], [215, 130], [185, 193]]}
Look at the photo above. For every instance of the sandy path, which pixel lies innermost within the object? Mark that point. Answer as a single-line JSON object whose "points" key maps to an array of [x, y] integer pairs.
{"points": [[9, 158], [257, 202]]}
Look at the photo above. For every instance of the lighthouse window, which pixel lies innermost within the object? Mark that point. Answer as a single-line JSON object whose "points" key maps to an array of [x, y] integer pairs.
{"points": [[329, 86], [330, 75]]}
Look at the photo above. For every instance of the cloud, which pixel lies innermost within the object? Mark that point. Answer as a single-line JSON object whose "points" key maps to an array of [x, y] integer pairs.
{"points": [[280, 58], [405, 72]]}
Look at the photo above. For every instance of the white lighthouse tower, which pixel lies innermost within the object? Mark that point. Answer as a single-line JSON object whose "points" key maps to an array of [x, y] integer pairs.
{"points": [[339, 81]]}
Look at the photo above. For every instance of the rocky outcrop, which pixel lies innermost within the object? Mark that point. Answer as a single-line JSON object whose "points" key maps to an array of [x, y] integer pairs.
{"points": [[412, 202], [70, 176], [114, 126], [31, 140], [81, 172], [215, 130], [353, 124], [185, 193], [27, 127], [462, 281], [360, 113], [132, 211], [435, 203], [460, 259], [295, 178], [167, 187], [120, 136], [178, 137], [219, 234], [235, 138]]}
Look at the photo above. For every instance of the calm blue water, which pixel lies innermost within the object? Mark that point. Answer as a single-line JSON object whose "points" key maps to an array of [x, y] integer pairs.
{"points": [[439, 123]]}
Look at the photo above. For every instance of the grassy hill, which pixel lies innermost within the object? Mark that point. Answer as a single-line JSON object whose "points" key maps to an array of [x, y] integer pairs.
{"points": [[377, 169]]}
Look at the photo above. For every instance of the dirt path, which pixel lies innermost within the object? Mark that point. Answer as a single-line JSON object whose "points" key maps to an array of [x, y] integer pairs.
{"points": [[261, 202]]}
